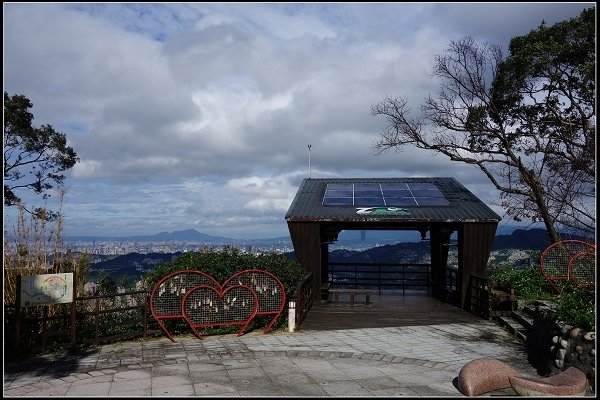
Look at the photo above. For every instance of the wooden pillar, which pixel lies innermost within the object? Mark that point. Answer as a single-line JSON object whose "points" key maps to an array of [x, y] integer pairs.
{"points": [[439, 240], [306, 238], [475, 242]]}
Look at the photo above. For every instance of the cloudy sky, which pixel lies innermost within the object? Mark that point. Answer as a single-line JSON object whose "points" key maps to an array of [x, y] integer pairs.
{"points": [[199, 115]]}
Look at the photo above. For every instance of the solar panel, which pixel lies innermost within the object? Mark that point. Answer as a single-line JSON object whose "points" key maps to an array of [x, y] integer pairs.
{"points": [[338, 193], [337, 201], [400, 201], [397, 193], [369, 201], [385, 194], [367, 193]]}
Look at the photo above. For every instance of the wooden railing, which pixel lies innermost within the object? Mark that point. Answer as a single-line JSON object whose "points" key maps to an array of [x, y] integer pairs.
{"points": [[304, 298], [89, 321], [98, 319]]}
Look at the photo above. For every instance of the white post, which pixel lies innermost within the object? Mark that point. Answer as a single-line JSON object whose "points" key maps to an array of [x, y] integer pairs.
{"points": [[309, 146], [291, 316]]}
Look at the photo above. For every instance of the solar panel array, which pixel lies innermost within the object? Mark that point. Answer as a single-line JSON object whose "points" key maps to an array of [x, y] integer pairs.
{"points": [[383, 195]]}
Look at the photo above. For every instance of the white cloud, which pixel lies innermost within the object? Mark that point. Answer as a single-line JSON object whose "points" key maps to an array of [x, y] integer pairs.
{"points": [[200, 113]]}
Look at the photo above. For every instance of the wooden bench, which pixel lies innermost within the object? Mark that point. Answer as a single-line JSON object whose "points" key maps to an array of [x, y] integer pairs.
{"points": [[352, 292]]}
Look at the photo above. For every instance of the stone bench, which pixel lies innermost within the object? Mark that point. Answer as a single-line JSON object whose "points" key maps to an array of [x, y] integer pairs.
{"points": [[352, 292], [486, 374], [570, 382]]}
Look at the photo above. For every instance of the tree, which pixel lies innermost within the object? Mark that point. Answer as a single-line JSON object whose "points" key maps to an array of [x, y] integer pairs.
{"points": [[34, 158], [526, 121]]}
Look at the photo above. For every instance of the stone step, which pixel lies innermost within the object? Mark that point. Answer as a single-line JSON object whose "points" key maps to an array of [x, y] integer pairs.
{"points": [[523, 318], [514, 327]]}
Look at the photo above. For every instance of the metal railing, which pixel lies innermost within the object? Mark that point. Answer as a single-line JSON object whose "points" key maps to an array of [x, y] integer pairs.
{"points": [[380, 276]]}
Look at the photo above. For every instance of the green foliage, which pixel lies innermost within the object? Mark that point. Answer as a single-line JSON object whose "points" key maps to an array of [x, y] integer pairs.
{"points": [[33, 157], [529, 283], [222, 264], [577, 305], [106, 284]]}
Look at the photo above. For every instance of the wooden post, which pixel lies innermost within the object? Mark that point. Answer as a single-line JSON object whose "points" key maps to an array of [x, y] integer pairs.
{"points": [[18, 317], [74, 311], [44, 326]]}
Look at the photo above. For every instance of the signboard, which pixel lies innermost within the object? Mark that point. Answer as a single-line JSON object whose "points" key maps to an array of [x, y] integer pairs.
{"points": [[46, 289]]}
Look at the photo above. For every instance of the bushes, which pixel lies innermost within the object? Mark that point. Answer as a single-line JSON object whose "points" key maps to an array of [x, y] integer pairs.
{"points": [[529, 282], [575, 305], [222, 264]]}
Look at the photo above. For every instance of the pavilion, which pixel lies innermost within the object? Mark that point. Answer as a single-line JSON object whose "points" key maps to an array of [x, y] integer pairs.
{"points": [[322, 208]]}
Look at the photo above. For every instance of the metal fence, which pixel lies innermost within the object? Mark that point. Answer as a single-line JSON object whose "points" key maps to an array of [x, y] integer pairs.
{"points": [[380, 276]]}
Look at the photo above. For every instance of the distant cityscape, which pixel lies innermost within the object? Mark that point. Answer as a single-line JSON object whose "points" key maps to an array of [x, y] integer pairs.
{"points": [[192, 240], [129, 258]]}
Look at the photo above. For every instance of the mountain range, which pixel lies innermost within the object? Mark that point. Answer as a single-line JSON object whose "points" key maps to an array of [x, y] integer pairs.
{"points": [[134, 265], [534, 239]]}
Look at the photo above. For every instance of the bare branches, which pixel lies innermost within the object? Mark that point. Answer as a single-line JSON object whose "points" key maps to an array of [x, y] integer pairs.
{"points": [[525, 121]]}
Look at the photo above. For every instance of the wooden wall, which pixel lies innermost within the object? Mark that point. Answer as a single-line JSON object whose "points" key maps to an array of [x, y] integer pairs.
{"points": [[306, 238], [474, 246]]}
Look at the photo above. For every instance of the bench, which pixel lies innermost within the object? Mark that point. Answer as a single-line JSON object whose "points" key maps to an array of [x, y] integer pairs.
{"points": [[570, 382], [484, 375], [352, 292]]}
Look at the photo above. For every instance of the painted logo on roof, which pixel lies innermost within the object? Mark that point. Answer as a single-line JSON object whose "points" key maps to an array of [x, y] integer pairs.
{"points": [[383, 211]]}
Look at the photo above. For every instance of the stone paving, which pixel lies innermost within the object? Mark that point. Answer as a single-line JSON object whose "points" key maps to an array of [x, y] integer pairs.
{"points": [[396, 361]]}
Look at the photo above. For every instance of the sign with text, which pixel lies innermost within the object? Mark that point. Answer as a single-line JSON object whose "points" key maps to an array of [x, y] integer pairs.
{"points": [[46, 289]]}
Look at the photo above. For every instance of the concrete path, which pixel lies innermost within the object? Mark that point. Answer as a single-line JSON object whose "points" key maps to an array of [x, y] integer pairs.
{"points": [[399, 361]]}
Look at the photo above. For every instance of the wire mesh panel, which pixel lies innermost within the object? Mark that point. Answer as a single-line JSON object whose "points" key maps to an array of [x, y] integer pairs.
{"points": [[168, 293], [206, 306], [554, 261], [269, 291], [582, 268]]}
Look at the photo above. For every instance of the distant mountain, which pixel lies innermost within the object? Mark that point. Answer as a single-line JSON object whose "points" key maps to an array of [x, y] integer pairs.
{"points": [[176, 236], [532, 239], [134, 265], [408, 252], [130, 266]]}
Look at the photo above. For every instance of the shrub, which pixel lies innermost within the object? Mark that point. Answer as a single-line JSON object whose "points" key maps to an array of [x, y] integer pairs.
{"points": [[576, 305], [529, 282]]}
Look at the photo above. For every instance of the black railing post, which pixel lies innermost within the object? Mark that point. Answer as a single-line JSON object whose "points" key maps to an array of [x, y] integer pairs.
{"points": [[379, 279]]}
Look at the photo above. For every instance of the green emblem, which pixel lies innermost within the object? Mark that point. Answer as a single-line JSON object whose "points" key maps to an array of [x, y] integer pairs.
{"points": [[383, 211]]}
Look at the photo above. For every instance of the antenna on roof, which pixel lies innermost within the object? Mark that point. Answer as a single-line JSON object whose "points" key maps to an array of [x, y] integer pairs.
{"points": [[309, 146]]}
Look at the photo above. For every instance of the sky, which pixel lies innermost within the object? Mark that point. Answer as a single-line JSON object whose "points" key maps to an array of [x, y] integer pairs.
{"points": [[199, 115]]}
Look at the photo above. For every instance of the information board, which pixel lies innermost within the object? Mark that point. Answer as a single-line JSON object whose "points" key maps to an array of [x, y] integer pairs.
{"points": [[46, 289]]}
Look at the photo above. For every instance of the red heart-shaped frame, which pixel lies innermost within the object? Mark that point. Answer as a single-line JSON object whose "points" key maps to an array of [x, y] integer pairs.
{"points": [[206, 306]]}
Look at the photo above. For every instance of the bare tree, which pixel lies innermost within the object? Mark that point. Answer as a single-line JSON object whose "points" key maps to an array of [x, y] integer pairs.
{"points": [[526, 121]]}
